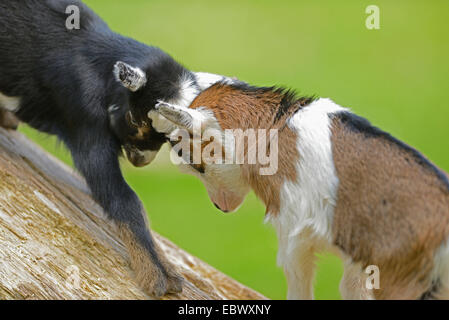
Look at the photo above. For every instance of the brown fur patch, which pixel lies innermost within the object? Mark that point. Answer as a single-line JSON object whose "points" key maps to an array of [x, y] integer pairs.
{"points": [[153, 279], [391, 211], [235, 108]]}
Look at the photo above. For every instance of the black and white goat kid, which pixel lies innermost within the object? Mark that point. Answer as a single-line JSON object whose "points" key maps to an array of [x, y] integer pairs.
{"points": [[63, 82]]}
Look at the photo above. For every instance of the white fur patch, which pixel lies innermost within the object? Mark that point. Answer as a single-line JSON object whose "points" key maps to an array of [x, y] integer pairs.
{"points": [[353, 284], [205, 79], [440, 273], [9, 103], [187, 92], [307, 205]]}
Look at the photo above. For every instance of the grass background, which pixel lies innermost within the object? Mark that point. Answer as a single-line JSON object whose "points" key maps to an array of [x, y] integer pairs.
{"points": [[396, 76]]}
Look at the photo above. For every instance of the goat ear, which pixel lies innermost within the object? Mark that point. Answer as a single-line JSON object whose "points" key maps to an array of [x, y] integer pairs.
{"points": [[130, 77], [180, 116]]}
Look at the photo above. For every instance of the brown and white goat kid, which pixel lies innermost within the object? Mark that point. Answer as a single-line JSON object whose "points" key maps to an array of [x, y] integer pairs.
{"points": [[341, 185]]}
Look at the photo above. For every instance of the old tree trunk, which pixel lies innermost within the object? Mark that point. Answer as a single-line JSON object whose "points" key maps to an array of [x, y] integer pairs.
{"points": [[55, 241]]}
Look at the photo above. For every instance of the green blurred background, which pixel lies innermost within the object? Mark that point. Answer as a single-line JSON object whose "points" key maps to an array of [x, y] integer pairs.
{"points": [[396, 76]]}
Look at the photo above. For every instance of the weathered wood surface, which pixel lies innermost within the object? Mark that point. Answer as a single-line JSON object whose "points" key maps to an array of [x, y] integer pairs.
{"points": [[51, 231]]}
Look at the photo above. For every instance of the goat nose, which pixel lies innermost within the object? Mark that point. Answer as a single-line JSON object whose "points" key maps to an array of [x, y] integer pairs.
{"points": [[216, 206]]}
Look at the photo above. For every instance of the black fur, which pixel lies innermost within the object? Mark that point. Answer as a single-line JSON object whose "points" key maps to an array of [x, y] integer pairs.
{"points": [[433, 290], [363, 126], [125, 127], [291, 103], [66, 84]]}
